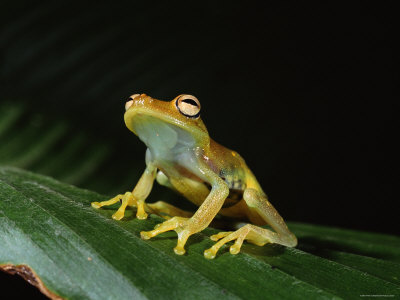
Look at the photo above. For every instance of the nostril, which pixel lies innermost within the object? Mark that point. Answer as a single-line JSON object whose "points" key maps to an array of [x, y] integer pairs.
{"points": [[128, 104]]}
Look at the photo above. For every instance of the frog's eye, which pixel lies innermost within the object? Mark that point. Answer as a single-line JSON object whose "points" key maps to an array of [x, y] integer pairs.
{"points": [[188, 106], [130, 101]]}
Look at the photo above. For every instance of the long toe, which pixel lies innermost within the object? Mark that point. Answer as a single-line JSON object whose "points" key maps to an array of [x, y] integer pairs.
{"points": [[209, 253], [96, 204]]}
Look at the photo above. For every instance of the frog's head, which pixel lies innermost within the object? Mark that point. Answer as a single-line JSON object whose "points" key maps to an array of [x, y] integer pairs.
{"points": [[165, 123]]}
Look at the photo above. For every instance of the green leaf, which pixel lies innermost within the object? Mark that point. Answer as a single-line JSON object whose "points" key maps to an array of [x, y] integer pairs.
{"points": [[78, 252]]}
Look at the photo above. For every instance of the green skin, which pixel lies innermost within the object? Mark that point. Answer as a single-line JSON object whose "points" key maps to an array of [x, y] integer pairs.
{"points": [[211, 176]]}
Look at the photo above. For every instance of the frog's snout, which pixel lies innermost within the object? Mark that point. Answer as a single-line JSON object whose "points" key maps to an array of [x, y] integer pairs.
{"points": [[128, 104], [130, 100]]}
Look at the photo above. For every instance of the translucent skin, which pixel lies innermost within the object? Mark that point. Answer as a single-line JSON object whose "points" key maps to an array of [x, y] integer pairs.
{"points": [[211, 176]]}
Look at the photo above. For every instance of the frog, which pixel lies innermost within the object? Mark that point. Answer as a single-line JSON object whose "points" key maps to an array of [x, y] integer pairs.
{"points": [[180, 155]]}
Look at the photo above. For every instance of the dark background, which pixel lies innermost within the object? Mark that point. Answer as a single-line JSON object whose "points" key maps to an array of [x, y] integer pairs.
{"points": [[303, 92]]}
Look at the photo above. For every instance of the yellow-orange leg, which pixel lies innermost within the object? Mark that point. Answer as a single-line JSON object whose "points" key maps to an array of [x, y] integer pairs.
{"points": [[167, 210], [185, 227]]}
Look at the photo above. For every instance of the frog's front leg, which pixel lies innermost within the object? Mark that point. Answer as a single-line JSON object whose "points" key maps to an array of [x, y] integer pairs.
{"points": [[185, 227], [258, 202], [136, 198]]}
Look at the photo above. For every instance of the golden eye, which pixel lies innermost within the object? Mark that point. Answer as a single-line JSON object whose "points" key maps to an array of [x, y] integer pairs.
{"points": [[188, 106], [130, 101]]}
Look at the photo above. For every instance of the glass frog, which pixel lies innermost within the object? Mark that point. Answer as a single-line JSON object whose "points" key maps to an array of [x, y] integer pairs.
{"points": [[181, 155]]}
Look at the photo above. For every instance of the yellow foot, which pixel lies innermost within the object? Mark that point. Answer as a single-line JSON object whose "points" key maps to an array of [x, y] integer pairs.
{"points": [[225, 237], [126, 199], [179, 224]]}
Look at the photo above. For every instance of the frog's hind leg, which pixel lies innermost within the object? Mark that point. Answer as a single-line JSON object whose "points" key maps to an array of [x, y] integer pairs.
{"points": [[164, 209], [258, 203], [163, 180], [167, 210]]}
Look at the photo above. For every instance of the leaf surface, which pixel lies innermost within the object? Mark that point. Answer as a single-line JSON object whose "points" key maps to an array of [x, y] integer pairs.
{"points": [[79, 252]]}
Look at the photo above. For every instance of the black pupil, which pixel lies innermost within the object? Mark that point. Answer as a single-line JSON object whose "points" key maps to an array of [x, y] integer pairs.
{"points": [[190, 101]]}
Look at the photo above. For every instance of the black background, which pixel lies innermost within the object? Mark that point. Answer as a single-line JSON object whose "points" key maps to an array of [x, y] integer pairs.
{"points": [[303, 92]]}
